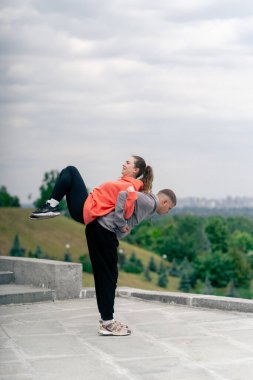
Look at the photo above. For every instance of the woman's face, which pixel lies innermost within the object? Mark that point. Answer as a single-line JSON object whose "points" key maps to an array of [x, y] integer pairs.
{"points": [[129, 169]]}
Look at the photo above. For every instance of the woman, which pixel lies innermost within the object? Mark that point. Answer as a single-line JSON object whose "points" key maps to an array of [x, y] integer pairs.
{"points": [[85, 208]]}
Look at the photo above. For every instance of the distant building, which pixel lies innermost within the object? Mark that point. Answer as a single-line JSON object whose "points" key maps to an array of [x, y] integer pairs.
{"points": [[227, 203]]}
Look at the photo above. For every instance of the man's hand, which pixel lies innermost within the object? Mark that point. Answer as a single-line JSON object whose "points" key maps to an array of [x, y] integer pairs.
{"points": [[124, 229]]}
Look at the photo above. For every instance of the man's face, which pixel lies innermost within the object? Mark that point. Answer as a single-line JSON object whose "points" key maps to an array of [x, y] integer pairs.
{"points": [[129, 169], [165, 205]]}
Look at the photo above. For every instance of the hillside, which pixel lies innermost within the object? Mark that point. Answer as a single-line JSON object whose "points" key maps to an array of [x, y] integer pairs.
{"points": [[52, 235]]}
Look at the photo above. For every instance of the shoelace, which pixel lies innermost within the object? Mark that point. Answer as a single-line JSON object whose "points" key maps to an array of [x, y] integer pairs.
{"points": [[116, 326]]}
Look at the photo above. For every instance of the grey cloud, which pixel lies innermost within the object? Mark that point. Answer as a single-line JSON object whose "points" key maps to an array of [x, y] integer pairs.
{"points": [[90, 82]]}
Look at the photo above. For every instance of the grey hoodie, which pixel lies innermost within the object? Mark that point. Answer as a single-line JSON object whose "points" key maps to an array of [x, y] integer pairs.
{"points": [[144, 206]]}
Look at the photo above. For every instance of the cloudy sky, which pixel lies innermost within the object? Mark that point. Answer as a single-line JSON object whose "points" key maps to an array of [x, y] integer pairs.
{"points": [[90, 82]]}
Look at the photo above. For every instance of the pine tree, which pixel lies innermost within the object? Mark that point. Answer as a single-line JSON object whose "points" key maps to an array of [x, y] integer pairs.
{"points": [[16, 249], [152, 265], [185, 282], [162, 268], [163, 280], [207, 289], [38, 253], [67, 257], [231, 289], [147, 275], [186, 265], [86, 263], [173, 268], [186, 270]]}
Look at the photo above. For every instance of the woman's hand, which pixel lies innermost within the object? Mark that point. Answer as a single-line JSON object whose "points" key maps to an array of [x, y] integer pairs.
{"points": [[130, 189]]}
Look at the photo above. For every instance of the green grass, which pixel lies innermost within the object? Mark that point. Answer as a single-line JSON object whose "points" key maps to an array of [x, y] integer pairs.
{"points": [[52, 235], [136, 281]]}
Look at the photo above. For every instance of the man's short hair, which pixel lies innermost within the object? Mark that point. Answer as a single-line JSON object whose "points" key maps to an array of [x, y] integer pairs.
{"points": [[170, 194]]}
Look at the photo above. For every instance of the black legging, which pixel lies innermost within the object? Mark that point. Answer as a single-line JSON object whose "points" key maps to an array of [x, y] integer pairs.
{"points": [[71, 184]]}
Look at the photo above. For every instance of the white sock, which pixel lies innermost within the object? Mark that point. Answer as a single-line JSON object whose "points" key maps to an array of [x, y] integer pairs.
{"points": [[53, 202]]}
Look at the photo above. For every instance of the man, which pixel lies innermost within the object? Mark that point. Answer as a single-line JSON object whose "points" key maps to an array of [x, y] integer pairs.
{"points": [[102, 237]]}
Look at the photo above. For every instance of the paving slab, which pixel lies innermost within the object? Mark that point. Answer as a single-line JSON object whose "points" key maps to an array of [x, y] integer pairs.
{"points": [[59, 341]]}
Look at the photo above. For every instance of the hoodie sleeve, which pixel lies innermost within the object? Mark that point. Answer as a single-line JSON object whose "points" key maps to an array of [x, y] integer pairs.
{"points": [[129, 203], [120, 213]]}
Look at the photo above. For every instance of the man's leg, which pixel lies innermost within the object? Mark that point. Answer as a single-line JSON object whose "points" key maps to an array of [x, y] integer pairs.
{"points": [[70, 184], [103, 245]]}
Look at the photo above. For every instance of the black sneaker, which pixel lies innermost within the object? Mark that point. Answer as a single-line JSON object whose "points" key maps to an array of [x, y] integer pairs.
{"points": [[46, 211]]}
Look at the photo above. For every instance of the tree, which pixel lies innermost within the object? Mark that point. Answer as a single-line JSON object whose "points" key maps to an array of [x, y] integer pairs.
{"points": [[173, 271], [217, 233], [231, 290], [7, 200], [187, 276], [218, 266], [163, 280], [16, 249], [46, 189], [147, 275], [152, 265], [133, 264], [208, 289], [38, 253], [162, 268], [242, 241], [185, 282], [241, 268], [86, 263]]}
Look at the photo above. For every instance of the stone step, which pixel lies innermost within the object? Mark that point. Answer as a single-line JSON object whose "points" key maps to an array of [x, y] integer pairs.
{"points": [[6, 277], [13, 294]]}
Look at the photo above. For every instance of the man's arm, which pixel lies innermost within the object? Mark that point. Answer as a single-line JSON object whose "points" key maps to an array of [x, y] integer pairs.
{"points": [[119, 215], [129, 203], [145, 205]]}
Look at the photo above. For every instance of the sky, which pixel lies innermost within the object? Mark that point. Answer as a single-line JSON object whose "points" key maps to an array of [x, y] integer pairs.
{"points": [[91, 82]]}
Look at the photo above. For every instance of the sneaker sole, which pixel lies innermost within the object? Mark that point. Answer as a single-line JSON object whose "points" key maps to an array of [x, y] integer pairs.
{"points": [[44, 216], [108, 333]]}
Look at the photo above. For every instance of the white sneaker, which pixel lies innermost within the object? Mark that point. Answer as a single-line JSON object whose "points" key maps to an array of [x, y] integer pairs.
{"points": [[113, 328]]}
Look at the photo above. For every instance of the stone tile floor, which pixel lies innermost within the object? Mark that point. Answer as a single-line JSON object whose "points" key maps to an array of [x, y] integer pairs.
{"points": [[59, 341]]}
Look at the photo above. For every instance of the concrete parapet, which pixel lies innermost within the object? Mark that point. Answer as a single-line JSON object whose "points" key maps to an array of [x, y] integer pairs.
{"points": [[6, 277], [189, 299], [12, 293], [62, 277], [88, 293]]}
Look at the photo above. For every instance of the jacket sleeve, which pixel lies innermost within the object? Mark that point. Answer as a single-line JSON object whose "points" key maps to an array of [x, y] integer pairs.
{"points": [[119, 216]]}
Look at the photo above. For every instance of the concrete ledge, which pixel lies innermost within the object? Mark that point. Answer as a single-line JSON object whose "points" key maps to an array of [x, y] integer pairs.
{"points": [[62, 277], [16, 294], [189, 299], [6, 277], [88, 293]]}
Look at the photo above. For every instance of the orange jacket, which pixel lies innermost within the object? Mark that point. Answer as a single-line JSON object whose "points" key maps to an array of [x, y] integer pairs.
{"points": [[102, 199]]}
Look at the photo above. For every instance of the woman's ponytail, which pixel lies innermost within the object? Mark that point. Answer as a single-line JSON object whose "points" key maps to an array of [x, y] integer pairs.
{"points": [[145, 174], [147, 179]]}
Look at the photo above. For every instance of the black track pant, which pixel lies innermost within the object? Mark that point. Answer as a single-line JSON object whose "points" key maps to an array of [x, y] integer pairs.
{"points": [[102, 245], [71, 184]]}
